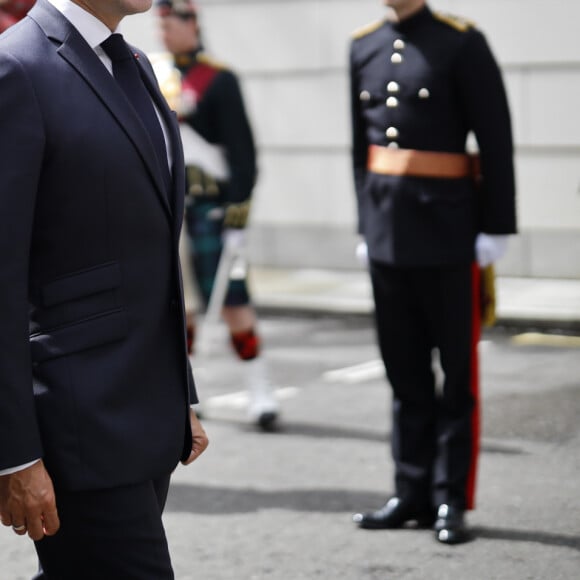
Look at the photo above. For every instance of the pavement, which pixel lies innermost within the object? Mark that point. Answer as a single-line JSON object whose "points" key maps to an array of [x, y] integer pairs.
{"points": [[548, 303], [278, 506]]}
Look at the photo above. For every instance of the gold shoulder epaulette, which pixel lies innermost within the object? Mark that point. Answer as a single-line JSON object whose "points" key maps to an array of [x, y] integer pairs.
{"points": [[457, 22], [205, 59], [367, 29]]}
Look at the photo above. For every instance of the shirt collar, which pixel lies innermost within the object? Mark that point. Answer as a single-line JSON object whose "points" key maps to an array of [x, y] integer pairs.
{"points": [[90, 27]]}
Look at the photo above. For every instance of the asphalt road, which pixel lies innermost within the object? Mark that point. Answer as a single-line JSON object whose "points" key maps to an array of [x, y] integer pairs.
{"points": [[278, 505]]}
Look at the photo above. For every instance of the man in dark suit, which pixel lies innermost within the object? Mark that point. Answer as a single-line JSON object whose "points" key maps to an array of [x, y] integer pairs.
{"points": [[421, 83], [95, 386]]}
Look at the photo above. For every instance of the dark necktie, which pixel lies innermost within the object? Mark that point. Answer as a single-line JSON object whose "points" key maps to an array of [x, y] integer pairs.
{"points": [[127, 75]]}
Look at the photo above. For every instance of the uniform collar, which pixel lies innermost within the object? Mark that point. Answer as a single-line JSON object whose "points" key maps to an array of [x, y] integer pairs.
{"points": [[423, 15], [185, 60]]}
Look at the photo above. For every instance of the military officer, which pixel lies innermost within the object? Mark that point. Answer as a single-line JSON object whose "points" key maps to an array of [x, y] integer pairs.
{"points": [[221, 173], [422, 82]]}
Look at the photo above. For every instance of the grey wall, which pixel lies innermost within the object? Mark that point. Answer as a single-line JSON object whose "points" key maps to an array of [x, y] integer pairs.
{"points": [[291, 56]]}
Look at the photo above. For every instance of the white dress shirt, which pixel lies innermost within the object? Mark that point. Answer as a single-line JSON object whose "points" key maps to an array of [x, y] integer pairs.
{"points": [[95, 32]]}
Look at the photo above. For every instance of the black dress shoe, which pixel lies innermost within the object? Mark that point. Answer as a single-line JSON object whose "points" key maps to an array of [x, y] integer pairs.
{"points": [[450, 526], [395, 514]]}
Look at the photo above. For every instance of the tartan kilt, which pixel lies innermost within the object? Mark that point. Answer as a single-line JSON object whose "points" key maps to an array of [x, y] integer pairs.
{"points": [[205, 227]]}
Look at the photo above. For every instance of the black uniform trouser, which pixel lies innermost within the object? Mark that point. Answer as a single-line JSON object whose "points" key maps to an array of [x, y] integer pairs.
{"points": [[434, 434], [112, 534]]}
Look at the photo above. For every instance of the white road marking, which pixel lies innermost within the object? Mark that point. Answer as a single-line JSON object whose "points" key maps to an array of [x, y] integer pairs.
{"points": [[241, 399], [367, 371]]}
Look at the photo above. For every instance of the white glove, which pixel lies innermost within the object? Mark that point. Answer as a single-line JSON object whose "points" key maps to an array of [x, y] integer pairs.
{"points": [[234, 238], [490, 248], [362, 253], [235, 244]]}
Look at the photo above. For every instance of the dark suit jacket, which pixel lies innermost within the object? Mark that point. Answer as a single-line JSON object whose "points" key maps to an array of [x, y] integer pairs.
{"points": [[93, 368]]}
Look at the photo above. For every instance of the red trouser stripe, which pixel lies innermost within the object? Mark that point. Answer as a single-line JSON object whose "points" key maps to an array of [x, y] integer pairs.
{"points": [[474, 385]]}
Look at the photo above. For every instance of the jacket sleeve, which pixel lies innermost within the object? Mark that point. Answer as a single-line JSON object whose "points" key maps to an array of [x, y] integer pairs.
{"points": [[485, 103], [359, 142], [235, 135], [21, 156], [191, 388]]}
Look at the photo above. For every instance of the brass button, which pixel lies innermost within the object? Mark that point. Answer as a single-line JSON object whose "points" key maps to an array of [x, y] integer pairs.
{"points": [[392, 132], [393, 87], [399, 44], [365, 96], [424, 93], [396, 58], [392, 102]]}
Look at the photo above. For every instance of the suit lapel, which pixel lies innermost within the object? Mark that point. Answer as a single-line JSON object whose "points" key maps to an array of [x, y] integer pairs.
{"points": [[83, 59], [177, 194]]}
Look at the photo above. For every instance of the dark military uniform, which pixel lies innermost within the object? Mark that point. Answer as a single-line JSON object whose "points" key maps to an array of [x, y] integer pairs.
{"points": [[11, 11], [419, 87], [218, 115]]}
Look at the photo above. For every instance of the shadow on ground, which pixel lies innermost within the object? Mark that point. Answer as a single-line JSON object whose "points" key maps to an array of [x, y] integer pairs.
{"points": [[185, 498], [333, 432], [197, 499], [533, 536]]}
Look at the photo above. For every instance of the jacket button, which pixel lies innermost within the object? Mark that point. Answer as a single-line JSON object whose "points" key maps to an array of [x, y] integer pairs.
{"points": [[393, 87]]}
